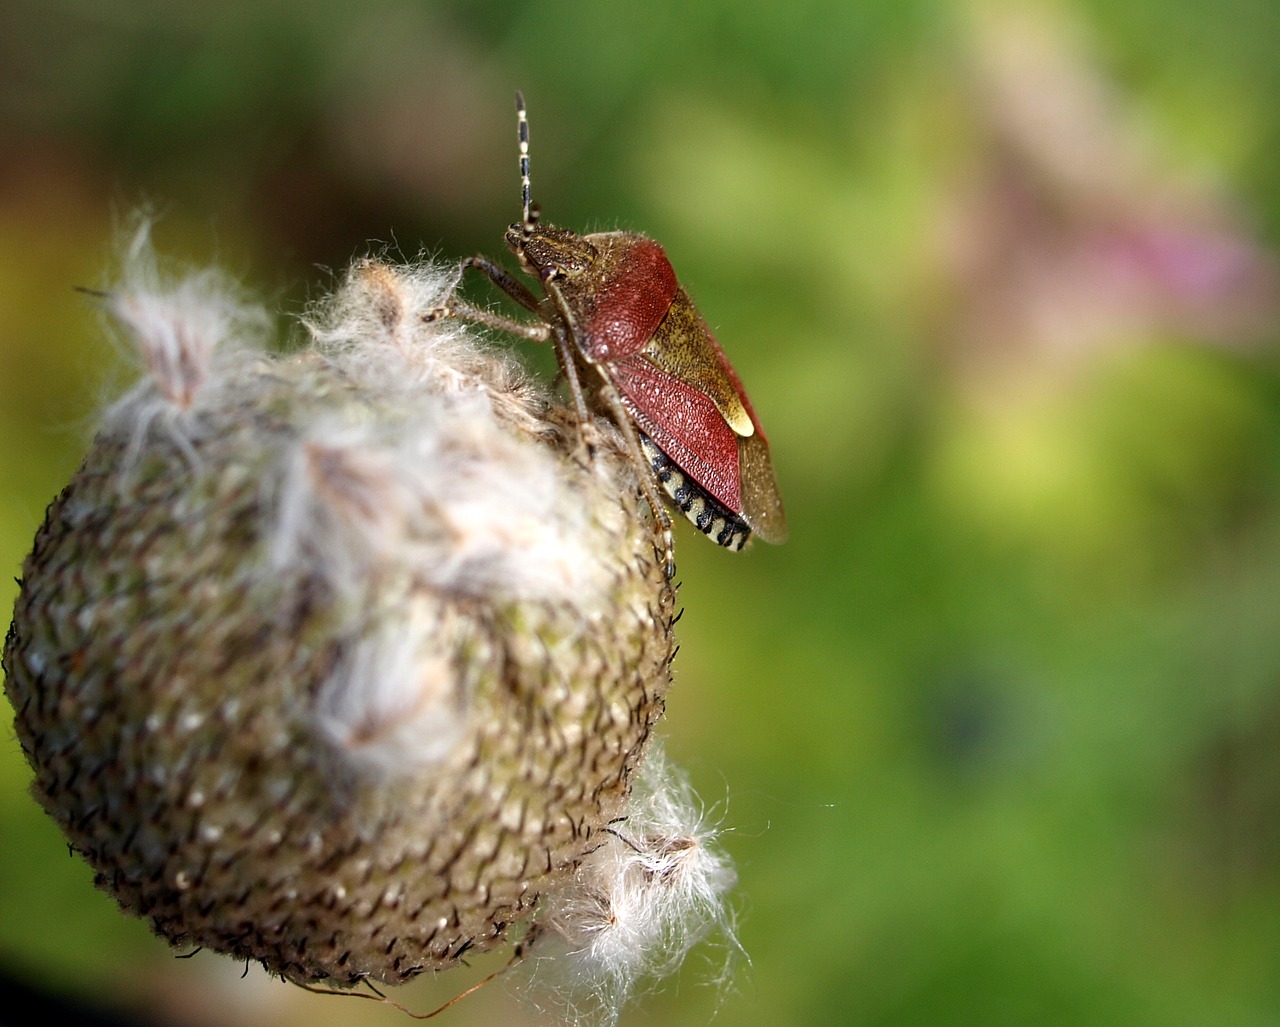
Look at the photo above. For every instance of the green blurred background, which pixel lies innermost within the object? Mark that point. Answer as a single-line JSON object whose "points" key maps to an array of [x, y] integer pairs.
{"points": [[996, 734]]}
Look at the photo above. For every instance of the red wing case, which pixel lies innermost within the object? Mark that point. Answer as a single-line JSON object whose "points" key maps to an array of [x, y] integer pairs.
{"points": [[685, 424]]}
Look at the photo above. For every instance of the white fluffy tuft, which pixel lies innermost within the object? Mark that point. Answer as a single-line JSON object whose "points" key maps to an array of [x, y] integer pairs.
{"points": [[186, 331], [428, 479], [655, 887], [448, 498], [391, 706], [343, 506], [448, 492], [373, 327]]}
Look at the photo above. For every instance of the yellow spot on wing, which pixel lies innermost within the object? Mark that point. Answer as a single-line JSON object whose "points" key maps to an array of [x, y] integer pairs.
{"points": [[736, 415]]}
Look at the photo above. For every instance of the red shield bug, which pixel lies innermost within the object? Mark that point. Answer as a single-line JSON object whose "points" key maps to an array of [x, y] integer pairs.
{"points": [[621, 322]]}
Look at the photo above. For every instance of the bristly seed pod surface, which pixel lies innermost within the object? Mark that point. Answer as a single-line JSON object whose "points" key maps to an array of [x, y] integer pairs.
{"points": [[345, 661]]}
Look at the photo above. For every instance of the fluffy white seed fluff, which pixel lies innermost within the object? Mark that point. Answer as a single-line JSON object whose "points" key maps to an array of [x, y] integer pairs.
{"points": [[461, 501], [372, 327], [392, 707], [444, 491], [655, 887], [187, 332], [446, 497]]}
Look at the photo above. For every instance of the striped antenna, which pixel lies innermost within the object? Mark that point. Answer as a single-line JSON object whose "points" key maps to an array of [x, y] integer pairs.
{"points": [[522, 134]]}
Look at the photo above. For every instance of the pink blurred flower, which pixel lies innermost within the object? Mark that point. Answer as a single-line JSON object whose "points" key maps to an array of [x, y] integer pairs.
{"points": [[1076, 233]]}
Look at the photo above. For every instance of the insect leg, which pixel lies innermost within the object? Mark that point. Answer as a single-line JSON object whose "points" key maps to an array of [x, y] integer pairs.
{"points": [[565, 349], [504, 280], [464, 311], [508, 283]]}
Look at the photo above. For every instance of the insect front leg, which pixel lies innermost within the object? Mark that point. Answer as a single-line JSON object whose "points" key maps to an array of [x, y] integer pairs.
{"points": [[504, 280], [539, 331]]}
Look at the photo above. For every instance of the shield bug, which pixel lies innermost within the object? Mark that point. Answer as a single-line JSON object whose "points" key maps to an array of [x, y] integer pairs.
{"points": [[622, 323]]}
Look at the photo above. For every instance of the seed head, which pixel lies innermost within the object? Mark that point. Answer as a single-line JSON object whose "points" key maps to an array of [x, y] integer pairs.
{"points": [[345, 661]]}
